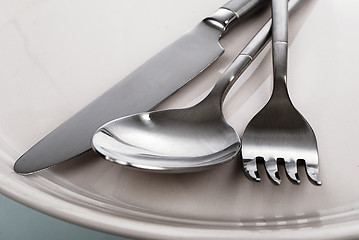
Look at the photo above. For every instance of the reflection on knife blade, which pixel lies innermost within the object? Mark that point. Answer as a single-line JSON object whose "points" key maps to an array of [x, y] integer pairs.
{"points": [[140, 91]]}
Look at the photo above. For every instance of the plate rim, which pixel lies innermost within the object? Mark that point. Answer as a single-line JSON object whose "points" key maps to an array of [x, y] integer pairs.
{"points": [[12, 187]]}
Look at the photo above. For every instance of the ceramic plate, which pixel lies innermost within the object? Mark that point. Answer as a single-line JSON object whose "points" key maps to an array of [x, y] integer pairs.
{"points": [[56, 56]]}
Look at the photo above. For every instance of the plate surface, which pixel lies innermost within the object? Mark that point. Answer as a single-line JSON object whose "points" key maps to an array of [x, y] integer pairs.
{"points": [[57, 55]]}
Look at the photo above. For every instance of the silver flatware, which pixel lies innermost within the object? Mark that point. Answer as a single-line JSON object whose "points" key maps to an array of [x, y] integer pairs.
{"points": [[180, 140], [279, 132], [140, 91]]}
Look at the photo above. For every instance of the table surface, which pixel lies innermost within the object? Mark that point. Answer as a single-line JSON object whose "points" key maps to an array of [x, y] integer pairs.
{"points": [[19, 222]]}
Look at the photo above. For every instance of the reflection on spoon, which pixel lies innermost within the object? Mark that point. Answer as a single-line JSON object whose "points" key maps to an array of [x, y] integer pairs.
{"points": [[180, 140]]}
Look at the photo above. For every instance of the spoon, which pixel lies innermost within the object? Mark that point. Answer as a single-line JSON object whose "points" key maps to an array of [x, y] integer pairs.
{"points": [[180, 140]]}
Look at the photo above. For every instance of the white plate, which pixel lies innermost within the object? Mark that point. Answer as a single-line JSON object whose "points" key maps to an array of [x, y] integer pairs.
{"points": [[56, 56]]}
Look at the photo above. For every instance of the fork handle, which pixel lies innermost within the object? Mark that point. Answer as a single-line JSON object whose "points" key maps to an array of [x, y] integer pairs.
{"points": [[280, 46]]}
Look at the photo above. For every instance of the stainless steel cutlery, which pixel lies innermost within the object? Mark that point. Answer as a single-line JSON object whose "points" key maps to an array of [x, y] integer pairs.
{"points": [[180, 140], [198, 137]]}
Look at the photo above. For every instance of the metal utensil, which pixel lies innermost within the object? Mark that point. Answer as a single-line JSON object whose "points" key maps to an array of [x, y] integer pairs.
{"points": [[180, 140], [140, 91], [279, 131]]}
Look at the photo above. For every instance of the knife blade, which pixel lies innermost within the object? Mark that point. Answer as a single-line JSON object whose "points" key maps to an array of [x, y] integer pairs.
{"points": [[141, 90]]}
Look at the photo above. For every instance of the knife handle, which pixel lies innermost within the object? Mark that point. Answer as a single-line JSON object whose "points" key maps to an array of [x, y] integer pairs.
{"points": [[242, 8], [232, 13]]}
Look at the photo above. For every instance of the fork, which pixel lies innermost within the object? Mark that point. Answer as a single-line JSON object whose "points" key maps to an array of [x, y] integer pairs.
{"points": [[279, 132]]}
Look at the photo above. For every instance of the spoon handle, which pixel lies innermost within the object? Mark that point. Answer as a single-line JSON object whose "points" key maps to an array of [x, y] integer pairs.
{"points": [[245, 58]]}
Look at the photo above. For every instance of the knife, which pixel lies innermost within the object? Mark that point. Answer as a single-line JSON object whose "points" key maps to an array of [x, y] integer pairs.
{"points": [[141, 90]]}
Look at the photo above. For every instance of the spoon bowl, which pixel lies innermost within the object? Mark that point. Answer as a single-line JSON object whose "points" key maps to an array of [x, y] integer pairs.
{"points": [[177, 140]]}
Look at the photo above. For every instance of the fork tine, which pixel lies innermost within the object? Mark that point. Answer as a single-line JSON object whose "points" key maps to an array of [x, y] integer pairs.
{"points": [[292, 170], [313, 173], [250, 169], [272, 170]]}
